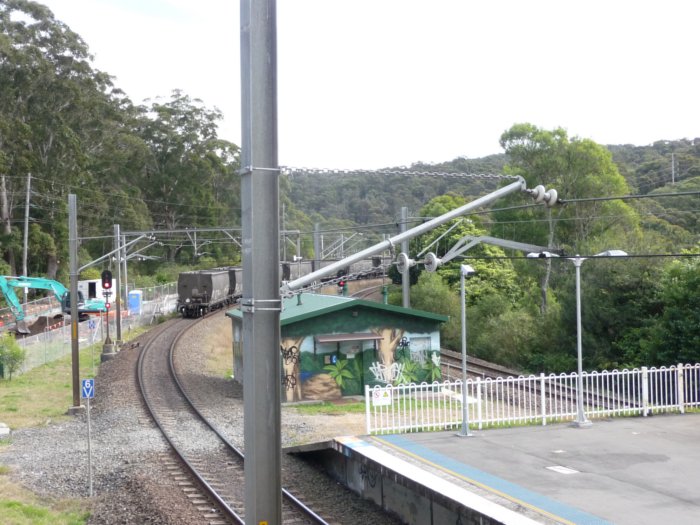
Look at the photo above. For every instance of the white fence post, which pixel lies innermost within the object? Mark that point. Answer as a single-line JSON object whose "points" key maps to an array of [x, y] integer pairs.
{"points": [[367, 418], [645, 391], [543, 399], [680, 371], [415, 408], [478, 401]]}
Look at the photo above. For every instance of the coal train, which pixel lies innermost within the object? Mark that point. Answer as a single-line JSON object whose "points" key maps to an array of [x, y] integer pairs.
{"points": [[202, 291]]}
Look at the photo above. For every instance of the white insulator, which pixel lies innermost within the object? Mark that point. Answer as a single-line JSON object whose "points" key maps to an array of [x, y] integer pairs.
{"points": [[551, 198], [432, 262], [404, 262], [538, 193]]}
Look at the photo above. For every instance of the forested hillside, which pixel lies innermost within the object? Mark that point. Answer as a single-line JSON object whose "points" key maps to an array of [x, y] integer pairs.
{"points": [[366, 198], [66, 128]]}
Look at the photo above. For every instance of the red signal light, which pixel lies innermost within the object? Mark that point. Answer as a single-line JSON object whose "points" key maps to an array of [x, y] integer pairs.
{"points": [[106, 279]]}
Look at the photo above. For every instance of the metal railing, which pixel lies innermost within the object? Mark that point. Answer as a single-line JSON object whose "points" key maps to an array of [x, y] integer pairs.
{"points": [[513, 401], [54, 341]]}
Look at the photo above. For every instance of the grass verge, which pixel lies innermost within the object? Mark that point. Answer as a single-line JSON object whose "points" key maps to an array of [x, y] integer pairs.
{"points": [[328, 408], [40, 397]]}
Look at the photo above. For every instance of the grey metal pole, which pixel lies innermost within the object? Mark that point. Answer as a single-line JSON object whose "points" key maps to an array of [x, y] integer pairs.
{"points": [[405, 277], [89, 442], [117, 294], [317, 246], [465, 409], [26, 230], [73, 286], [581, 420], [260, 304], [126, 275], [389, 244]]}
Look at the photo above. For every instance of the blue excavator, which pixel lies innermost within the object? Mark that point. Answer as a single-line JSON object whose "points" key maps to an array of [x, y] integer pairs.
{"points": [[60, 292]]}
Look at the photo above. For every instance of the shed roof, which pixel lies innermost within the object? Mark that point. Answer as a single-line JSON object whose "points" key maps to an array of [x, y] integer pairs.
{"points": [[308, 306]]}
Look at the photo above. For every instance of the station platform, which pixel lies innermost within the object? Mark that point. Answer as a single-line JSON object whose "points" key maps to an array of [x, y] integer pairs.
{"points": [[620, 471]]}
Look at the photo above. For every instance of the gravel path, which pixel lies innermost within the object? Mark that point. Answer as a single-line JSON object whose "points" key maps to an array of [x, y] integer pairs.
{"points": [[130, 484]]}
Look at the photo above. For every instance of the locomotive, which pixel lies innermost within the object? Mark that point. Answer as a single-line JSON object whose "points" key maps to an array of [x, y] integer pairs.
{"points": [[202, 291]]}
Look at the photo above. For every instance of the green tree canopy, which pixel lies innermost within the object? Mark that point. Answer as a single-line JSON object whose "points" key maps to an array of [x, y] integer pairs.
{"points": [[576, 169]]}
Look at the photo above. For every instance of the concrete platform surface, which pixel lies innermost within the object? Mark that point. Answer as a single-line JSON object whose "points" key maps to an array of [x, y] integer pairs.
{"points": [[626, 471]]}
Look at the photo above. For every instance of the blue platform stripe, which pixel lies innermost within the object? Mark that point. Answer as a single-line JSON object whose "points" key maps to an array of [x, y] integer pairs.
{"points": [[512, 491]]}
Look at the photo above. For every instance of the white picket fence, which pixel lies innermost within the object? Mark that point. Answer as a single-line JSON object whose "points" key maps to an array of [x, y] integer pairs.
{"points": [[513, 401]]}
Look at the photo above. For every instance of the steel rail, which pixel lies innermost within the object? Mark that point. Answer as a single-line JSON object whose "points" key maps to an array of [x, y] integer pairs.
{"points": [[230, 513], [298, 504]]}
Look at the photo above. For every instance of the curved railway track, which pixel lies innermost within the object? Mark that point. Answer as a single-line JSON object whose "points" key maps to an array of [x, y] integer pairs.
{"points": [[451, 365], [209, 470], [369, 293]]}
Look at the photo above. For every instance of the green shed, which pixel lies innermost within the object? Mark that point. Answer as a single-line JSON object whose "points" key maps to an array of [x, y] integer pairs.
{"points": [[332, 346]]}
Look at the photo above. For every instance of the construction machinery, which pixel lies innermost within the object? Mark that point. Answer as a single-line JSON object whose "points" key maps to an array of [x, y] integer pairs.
{"points": [[60, 292]]}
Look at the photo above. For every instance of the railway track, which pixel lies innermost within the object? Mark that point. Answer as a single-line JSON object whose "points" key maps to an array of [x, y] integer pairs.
{"points": [[370, 292], [210, 468], [451, 365]]}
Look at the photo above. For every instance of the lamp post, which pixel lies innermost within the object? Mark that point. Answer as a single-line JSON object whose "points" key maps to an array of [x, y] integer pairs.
{"points": [[464, 271], [581, 419]]}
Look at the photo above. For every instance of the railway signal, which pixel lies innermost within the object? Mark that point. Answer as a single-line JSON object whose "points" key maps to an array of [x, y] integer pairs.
{"points": [[106, 280]]}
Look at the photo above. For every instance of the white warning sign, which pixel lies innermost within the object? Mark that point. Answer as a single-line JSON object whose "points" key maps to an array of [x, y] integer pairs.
{"points": [[381, 397]]}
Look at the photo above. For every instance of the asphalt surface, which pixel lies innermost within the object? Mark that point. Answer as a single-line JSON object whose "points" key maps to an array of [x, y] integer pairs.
{"points": [[632, 471]]}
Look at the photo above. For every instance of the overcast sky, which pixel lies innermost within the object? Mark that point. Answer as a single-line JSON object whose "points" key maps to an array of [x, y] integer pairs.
{"points": [[385, 83]]}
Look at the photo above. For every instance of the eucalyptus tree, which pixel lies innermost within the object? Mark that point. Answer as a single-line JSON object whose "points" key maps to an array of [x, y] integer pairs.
{"points": [[191, 174], [577, 169], [53, 109]]}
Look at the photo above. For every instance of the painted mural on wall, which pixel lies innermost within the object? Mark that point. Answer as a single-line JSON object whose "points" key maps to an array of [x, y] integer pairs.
{"points": [[315, 370]]}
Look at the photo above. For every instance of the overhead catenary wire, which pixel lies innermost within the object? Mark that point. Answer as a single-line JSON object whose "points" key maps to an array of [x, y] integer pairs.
{"points": [[86, 206]]}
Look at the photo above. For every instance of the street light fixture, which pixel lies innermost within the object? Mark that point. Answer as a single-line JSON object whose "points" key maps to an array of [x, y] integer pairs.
{"points": [[581, 419], [464, 271]]}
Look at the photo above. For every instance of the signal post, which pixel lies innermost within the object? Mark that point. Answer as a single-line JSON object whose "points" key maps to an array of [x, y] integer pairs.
{"points": [[109, 348]]}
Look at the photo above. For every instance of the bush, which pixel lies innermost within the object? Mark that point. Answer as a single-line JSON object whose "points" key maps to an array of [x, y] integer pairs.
{"points": [[12, 355]]}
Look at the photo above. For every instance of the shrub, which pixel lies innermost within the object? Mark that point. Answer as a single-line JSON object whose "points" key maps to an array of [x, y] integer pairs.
{"points": [[12, 355]]}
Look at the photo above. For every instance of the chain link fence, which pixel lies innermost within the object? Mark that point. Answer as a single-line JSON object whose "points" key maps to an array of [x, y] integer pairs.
{"points": [[145, 306]]}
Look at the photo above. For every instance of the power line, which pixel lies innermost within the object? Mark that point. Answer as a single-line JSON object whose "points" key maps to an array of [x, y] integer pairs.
{"points": [[628, 197], [588, 257]]}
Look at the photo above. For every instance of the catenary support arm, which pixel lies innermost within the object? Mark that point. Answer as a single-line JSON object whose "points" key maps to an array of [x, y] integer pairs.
{"points": [[331, 269]]}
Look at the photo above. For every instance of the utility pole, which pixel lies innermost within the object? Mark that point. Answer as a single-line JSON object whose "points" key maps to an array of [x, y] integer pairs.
{"points": [[317, 246], [406, 274], [26, 232], [126, 274], [73, 258], [117, 295], [673, 169], [261, 304]]}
